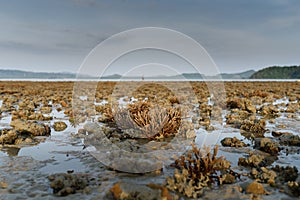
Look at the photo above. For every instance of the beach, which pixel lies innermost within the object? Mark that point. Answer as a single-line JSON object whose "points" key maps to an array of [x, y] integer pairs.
{"points": [[53, 131]]}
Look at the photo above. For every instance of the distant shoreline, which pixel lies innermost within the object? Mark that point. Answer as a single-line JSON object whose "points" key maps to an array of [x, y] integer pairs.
{"points": [[269, 73], [149, 80]]}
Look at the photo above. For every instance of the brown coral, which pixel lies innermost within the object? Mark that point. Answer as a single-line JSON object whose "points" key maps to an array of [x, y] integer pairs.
{"points": [[257, 127], [199, 169], [294, 188], [232, 142], [149, 120]]}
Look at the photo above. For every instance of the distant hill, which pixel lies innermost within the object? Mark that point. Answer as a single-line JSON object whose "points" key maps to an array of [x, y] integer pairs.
{"points": [[18, 74], [241, 75], [276, 72], [114, 76]]}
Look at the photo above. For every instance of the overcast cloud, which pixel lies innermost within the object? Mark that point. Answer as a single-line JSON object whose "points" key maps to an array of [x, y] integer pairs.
{"points": [[56, 35]]}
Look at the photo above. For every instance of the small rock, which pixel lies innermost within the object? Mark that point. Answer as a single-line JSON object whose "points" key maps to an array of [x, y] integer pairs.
{"points": [[18, 141], [267, 145], [124, 191], [272, 121], [190, 134], [227, 179], [87, 190], [232, 142], [264, 175], [256, 188], [63, 104], [281, 126], [28, 141], [8, 136], [291, 108], [256, 160], [32, 128], [209, 128], [269, 110], [278, 133], [255, 127], [295, 188], [46, 109], [250, 108], [290, 139], [287, 173], [59, 126], [3, 185], [234, 103], [64, 184], [116, 191], [91, 127]]}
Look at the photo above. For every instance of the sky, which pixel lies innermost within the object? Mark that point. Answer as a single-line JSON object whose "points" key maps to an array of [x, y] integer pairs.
{"points": [[57, 35]]}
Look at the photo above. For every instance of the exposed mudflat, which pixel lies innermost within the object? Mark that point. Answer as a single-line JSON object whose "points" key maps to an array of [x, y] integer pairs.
{"points": [[48, 147]]}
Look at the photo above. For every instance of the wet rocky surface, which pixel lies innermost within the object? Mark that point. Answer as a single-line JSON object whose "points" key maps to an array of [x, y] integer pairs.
{"points": [[47, 153]]}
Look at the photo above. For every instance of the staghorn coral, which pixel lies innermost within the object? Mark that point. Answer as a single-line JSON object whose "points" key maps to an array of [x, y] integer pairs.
{"points": [[199, 169], [143, 117]]}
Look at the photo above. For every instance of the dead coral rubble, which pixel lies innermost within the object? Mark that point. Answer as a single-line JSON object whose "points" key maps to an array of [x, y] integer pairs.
{"points": [[8, 136], [267, 145], [256, 160], [257, 127], [59, 126], [294, 188], [23, 132], [32, 128], [232, 142], [256, 188], [264, 175], [286, 174], [289, 140], [126, 191], [64, 184], [241, 103]]}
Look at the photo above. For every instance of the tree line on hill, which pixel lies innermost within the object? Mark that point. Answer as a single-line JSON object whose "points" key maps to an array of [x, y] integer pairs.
{"points": [[277, 72]]}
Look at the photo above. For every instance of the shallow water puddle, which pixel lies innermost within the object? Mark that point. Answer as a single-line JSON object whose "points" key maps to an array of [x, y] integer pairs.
{"points": [[5, 121], [288, 160]]}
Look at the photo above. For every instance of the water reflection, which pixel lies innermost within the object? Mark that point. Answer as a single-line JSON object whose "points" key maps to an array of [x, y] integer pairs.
{"points": [[11, 151]]}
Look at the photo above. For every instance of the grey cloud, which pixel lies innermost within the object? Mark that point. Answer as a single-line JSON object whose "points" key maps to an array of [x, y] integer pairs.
{"points": [[232, 31], [84, 2], [23, 47]]}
